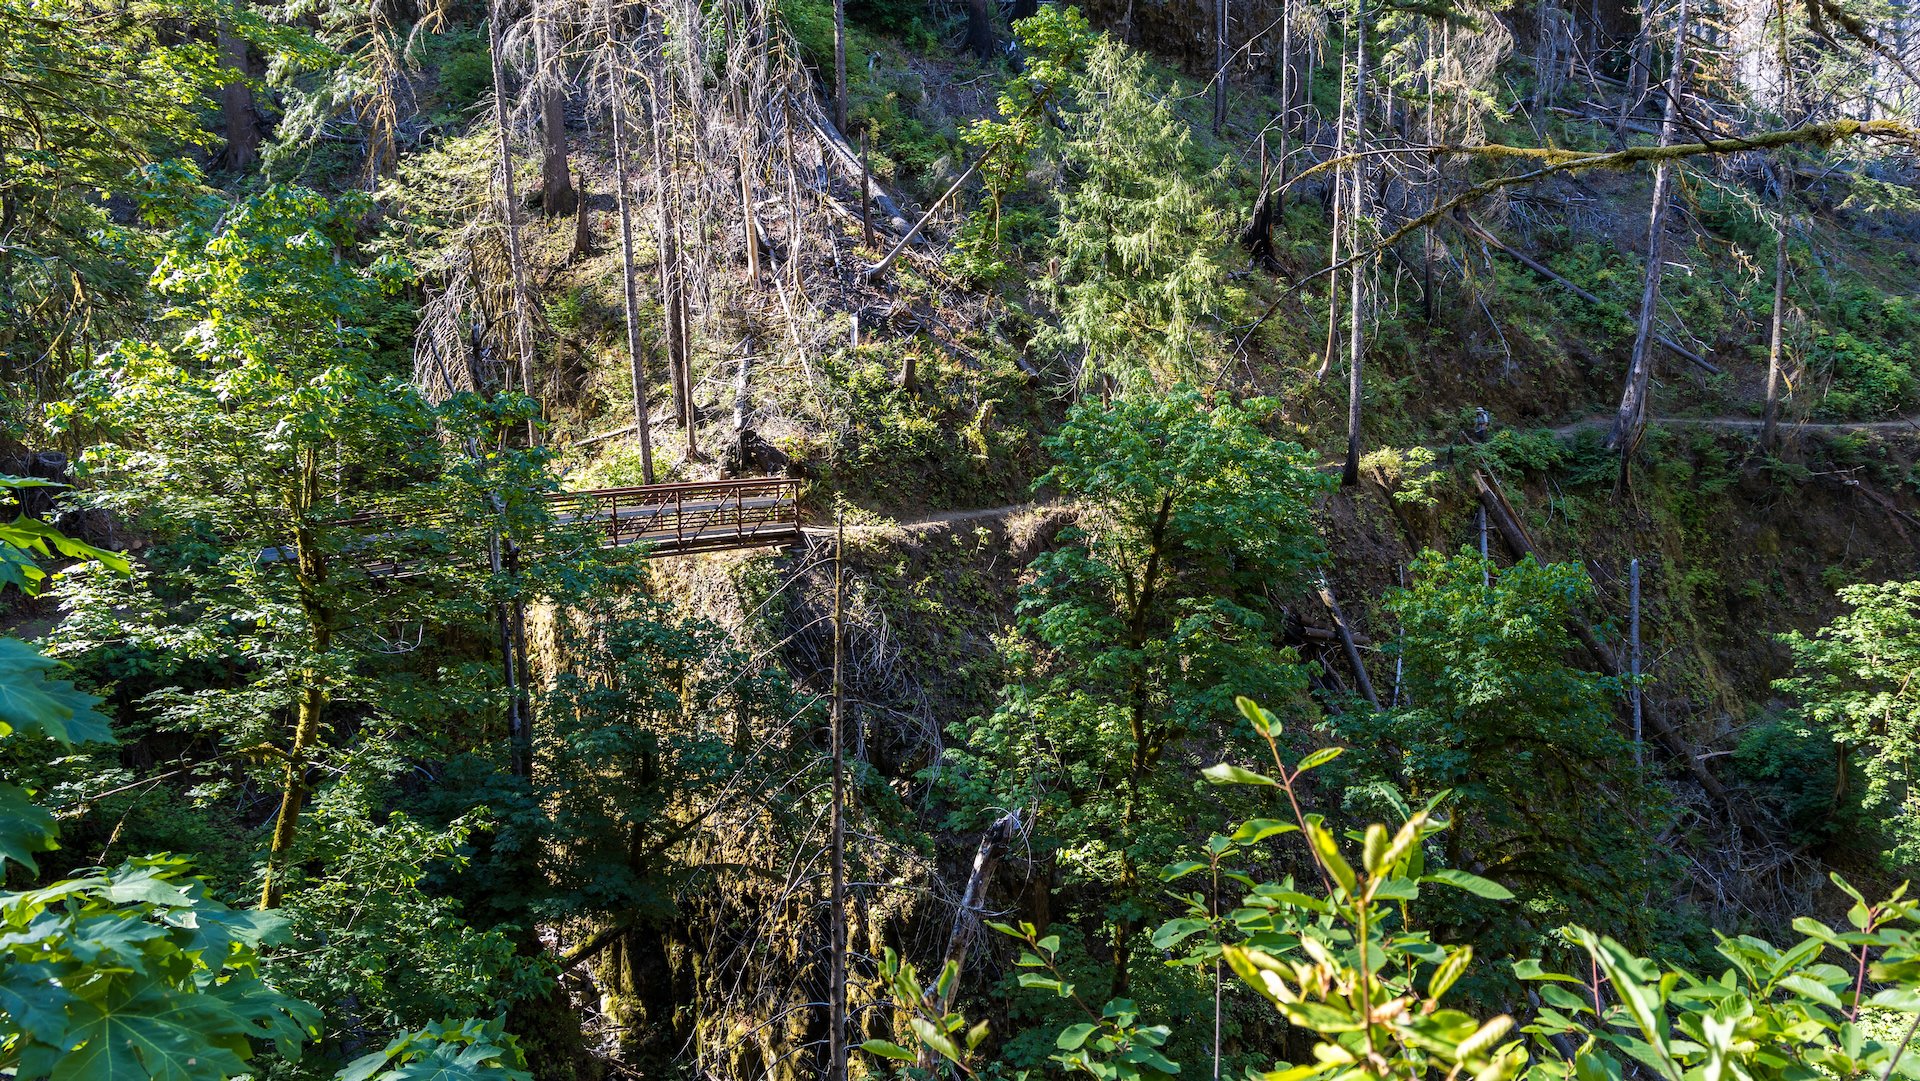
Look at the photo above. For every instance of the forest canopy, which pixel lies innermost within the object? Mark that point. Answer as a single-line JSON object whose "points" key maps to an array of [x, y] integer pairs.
{"points": [[1300, 540]]}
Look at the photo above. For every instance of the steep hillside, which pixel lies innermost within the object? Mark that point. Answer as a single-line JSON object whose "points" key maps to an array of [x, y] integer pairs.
{"points": [[1303, 509]]}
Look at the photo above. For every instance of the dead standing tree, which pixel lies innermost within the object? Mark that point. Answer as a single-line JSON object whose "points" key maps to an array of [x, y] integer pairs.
{"points": [[509, 200], [1630, 423], [613, 85], [544, 98], [1356, 304]]}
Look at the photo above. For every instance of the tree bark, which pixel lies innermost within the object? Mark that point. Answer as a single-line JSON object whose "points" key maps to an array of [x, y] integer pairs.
{"points": [[1630, 424], [236, 103], [642, 406], [670, 282], [840, 64], [1768, 433], [1257, 237], [1348, 643], [310, 578], [557, 196], [1219, 65], [1356, 349], [749, 221], [980, 29], [1333, 236], [510, 206], [837, 1032]]}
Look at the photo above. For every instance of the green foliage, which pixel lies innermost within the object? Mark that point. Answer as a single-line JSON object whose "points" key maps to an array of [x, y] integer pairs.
{"points": [[1512, 450], [1854, 680], [962, 437], [1772, 1013], [67, 130], [811, 24], [138, 972], [935, 1028], [1142, 281], [25, 538], [1856, 346], [1142, 625], [1347, 964], [1795, 769], [1410, 474], [466, 1050], [379, 940], [1353, 964], [260, 424], [1055, 42], [33, 704], [628, 749], [1870, 379], [1494, 714], [259, 412], [464, 69]]}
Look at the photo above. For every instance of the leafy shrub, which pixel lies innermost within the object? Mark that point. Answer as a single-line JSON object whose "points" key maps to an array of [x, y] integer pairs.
{"points": [[1351, 958], [1855, 681], [1409, 474], [464, 64], [1869, 379]]}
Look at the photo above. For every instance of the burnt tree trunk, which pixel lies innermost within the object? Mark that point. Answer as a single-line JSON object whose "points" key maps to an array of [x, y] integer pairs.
{"points": [[670, 280], [557, 196], [1356, 347], [510, 203], [636, 357], [1219, 65], [840, 64]]}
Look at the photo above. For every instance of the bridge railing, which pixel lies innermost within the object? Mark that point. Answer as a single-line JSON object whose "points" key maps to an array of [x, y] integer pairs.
{"points": [[672, 519], [687, 517]]}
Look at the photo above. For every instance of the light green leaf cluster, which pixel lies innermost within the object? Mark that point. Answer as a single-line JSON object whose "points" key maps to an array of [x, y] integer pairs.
{"points": [[467, 1050], [1855, 680], [137, 972]]}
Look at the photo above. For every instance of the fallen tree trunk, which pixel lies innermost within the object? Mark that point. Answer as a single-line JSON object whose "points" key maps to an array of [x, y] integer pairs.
{"points": [[886, 261], [848, 161], [1504, 519], [1348, 643], [1479, 232]]}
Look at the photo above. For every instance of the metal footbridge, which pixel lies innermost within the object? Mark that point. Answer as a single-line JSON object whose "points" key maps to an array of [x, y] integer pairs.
{"points": [[678, 519], [667, 519]]}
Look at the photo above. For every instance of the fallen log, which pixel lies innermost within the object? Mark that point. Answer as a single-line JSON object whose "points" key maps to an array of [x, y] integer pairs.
{"points": [[848, 161], [886, 261], [1348, 643], [1478, 231], [1321, 634], [1504, 519]]}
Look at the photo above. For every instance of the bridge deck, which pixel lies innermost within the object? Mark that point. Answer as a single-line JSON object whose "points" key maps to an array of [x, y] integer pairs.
{"points": [[670, 519]]}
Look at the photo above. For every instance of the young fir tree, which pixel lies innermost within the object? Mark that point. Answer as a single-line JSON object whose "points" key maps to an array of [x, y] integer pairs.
{"points": [[1142, 283]]}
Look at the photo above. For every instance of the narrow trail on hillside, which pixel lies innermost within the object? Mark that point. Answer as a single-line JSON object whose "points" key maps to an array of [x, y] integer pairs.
{"points": [[1753, 424], [952, 517], [956, 517]]}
